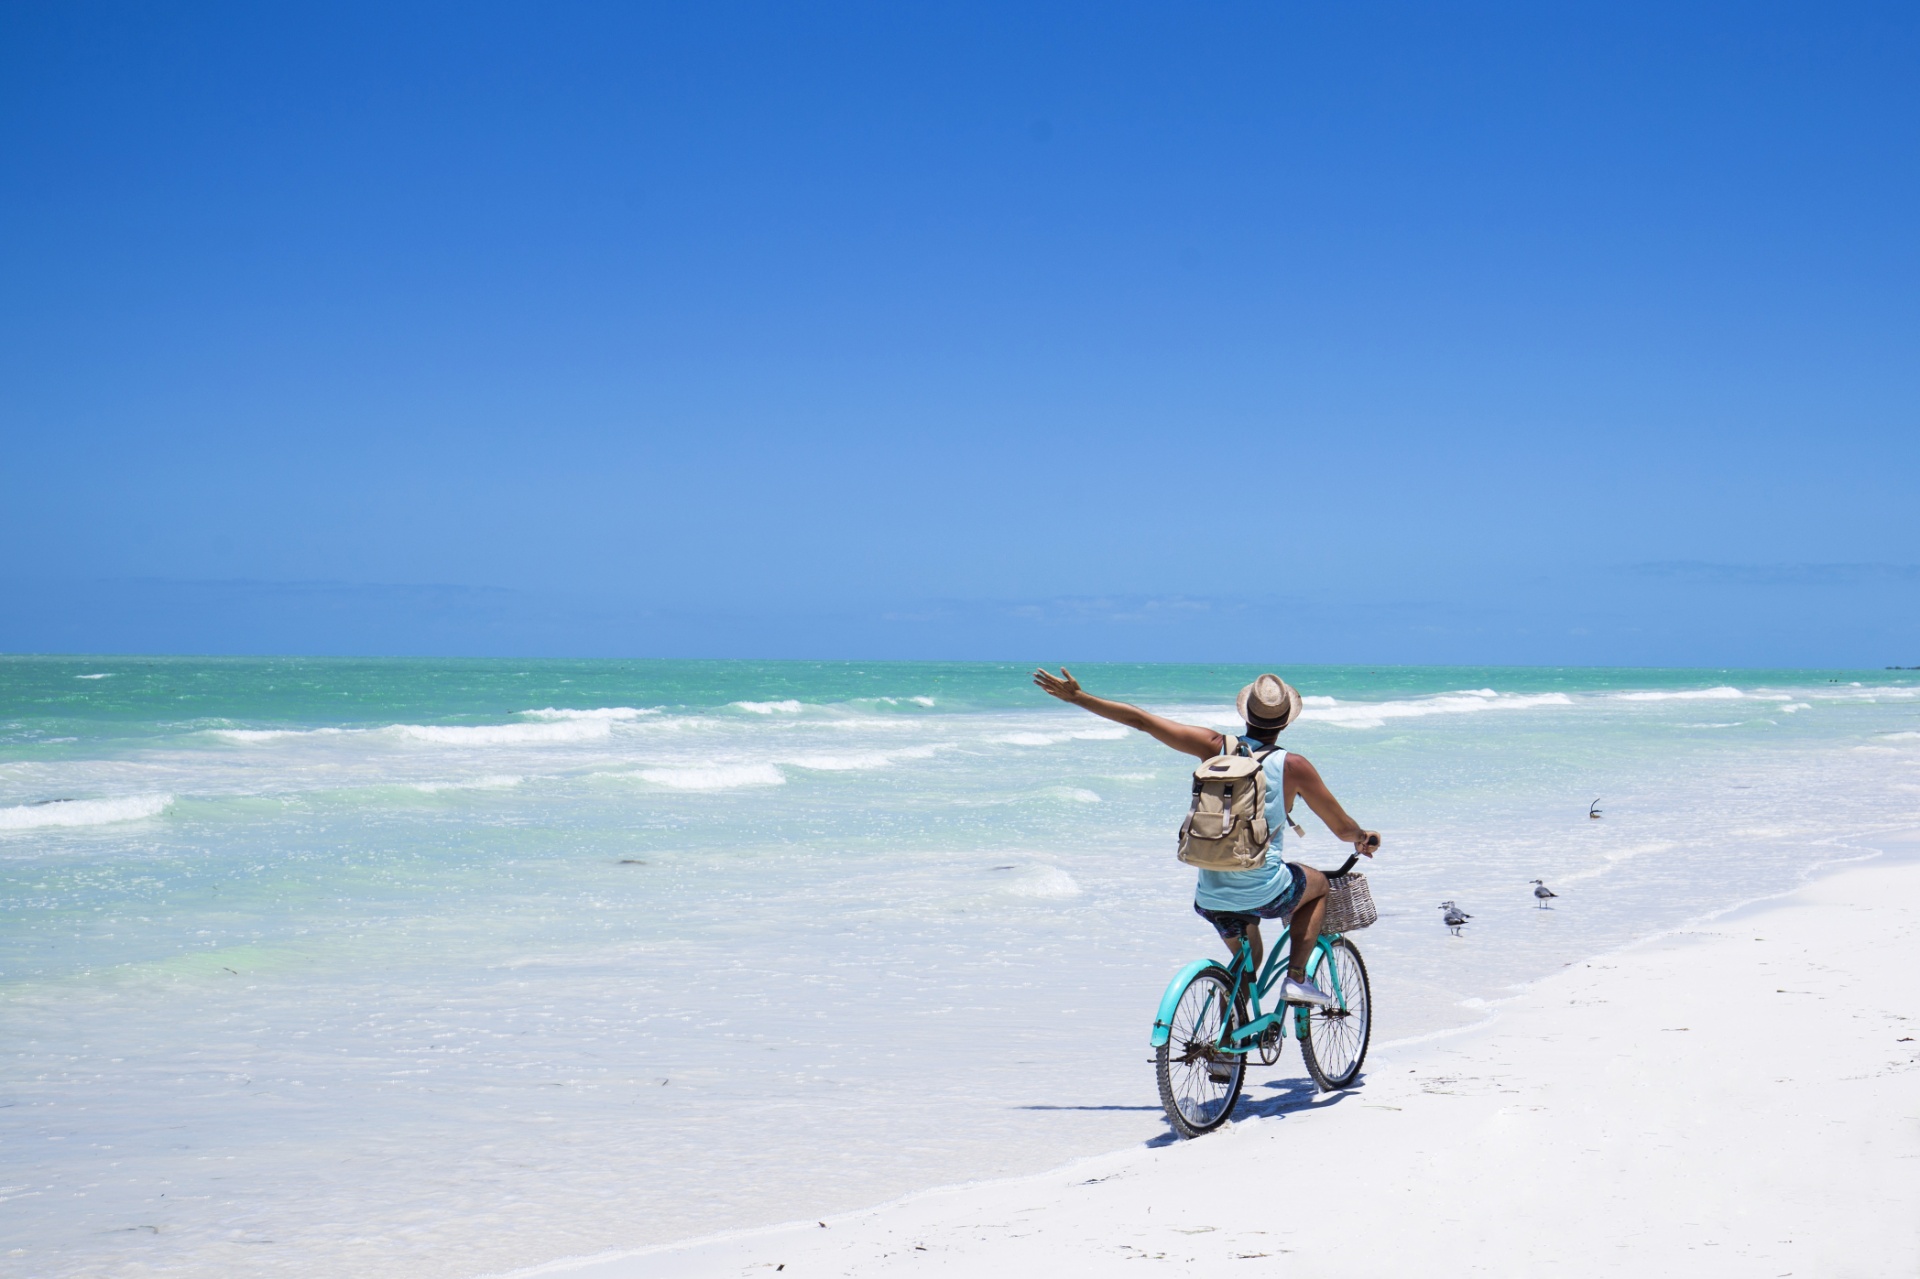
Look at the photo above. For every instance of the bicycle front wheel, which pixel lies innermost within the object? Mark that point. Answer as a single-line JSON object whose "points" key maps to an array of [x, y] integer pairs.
{"points": [[1335, 1045], [1198, 1082]]}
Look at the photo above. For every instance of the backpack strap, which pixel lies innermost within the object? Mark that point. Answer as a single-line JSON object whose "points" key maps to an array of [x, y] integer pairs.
{"points": [[1238, 746], [1263, 756]]}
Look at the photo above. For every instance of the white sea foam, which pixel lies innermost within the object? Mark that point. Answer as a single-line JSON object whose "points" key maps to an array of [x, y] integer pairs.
{"points": [[100, 675], [831, 762], [1076, 794], [1377, 714], [1054, 739], [922, 701], [1331, 710], [548, 726], [787, 707], [1723, 693], [563, 730], [708, 777], [1614, 857], [83, 812], [1856, 692], [1048, 883], [498, 782], [1900, 737], [598, 712], [841, 763], [274, 734]]}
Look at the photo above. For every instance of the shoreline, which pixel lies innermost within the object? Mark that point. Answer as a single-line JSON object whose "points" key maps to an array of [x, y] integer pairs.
{"points": [[1076, 1212], [1902, 845]]}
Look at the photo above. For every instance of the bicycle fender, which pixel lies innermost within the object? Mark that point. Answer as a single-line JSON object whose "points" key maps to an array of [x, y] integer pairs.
{"points": [[1163, 1020], [1323, 961]]}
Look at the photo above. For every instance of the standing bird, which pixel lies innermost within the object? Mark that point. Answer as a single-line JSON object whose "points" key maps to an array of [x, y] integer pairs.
{"points": [[1455, 917], [1593, 810], [1540, 894]]}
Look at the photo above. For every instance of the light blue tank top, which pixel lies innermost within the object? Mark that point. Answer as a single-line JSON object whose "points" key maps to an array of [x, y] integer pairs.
{"points": [[1248, 889]]}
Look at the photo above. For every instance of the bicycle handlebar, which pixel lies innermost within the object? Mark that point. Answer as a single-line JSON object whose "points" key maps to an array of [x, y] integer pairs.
{"points": [[1344, 867]]}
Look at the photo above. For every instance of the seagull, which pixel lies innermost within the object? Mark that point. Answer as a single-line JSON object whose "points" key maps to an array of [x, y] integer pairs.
{"points": [[1455, 917], [1593, 810], [1540, 894]]}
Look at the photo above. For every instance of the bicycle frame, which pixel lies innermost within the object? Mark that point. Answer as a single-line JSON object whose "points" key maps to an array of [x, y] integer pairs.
{"points": [[1247, 1037]]}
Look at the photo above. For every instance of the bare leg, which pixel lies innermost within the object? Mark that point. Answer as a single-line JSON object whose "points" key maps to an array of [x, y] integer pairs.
{"points": [[1252, 939], [1306, 923]]}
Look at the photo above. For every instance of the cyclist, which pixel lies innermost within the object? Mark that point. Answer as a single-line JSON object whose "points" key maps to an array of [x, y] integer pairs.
{"points": [[1235, 901]]}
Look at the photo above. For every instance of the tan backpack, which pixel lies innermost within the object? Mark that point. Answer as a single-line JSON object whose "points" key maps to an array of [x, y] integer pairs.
{"points": [[1226, 826]]}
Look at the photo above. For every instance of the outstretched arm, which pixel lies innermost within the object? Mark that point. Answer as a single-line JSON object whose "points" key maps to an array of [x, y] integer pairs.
{"points": [[1189, 739], [1303, 779]]}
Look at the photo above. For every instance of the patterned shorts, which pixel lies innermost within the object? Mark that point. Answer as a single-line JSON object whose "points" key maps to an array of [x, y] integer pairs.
{"points": [[1232, 924]]}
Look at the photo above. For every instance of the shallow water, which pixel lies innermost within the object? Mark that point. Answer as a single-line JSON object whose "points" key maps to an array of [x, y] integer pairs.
{"points": [[438, 968]]}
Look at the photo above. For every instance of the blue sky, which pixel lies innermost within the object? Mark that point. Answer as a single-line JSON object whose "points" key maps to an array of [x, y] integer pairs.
{"points": [[1490, 333]]}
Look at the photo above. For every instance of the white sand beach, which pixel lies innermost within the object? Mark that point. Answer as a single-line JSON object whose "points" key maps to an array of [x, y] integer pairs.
{"points": [[1739, 1099]]}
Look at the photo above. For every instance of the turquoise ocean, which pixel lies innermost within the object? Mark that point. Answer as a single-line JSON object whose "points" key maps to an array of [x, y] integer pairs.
{"points": [[444, 968]]}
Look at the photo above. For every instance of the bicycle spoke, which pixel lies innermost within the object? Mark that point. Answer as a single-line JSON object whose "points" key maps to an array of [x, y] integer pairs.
{"points": [[1197, 1100], [1337, 1038]]}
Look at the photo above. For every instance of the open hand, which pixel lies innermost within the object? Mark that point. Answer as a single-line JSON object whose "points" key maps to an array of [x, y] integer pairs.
{"points": [[1065, 687]]}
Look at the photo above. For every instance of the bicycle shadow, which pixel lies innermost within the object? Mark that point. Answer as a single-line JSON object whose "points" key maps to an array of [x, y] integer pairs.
{"points": [[1282, 1097], [1285, 1096], [1275, 1099]]}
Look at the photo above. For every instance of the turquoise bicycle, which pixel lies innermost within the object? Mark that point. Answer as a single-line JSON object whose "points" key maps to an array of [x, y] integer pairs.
{"points": [[1210, 1023]]}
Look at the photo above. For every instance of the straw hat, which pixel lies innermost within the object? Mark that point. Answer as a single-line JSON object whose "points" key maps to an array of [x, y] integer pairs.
{"points": [[1269, 702]]}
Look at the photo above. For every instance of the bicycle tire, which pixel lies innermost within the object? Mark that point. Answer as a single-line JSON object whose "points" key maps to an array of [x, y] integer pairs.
{"points": [[1199, 1085], [1335, 1045]]}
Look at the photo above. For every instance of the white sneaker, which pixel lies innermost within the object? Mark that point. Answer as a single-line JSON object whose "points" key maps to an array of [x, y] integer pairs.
{"points": [[1304, 992]]}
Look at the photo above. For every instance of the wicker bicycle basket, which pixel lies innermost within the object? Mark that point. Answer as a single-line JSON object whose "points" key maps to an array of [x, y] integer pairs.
{"points": [[1349, 905]]}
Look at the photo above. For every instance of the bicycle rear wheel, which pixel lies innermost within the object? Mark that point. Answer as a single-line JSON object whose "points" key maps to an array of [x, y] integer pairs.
{"points": [[1198, 1083], [1335, 1045]]}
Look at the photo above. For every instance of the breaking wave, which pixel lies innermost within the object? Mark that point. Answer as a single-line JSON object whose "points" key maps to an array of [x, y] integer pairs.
{"points": [[1048, 883], [601, 712], [1054, 739], [858, 761], [82, 812], [708, 777], [1328, 710], [842, 763], [563, 730], [499, 781], [583, 728], [1724, 693]]}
